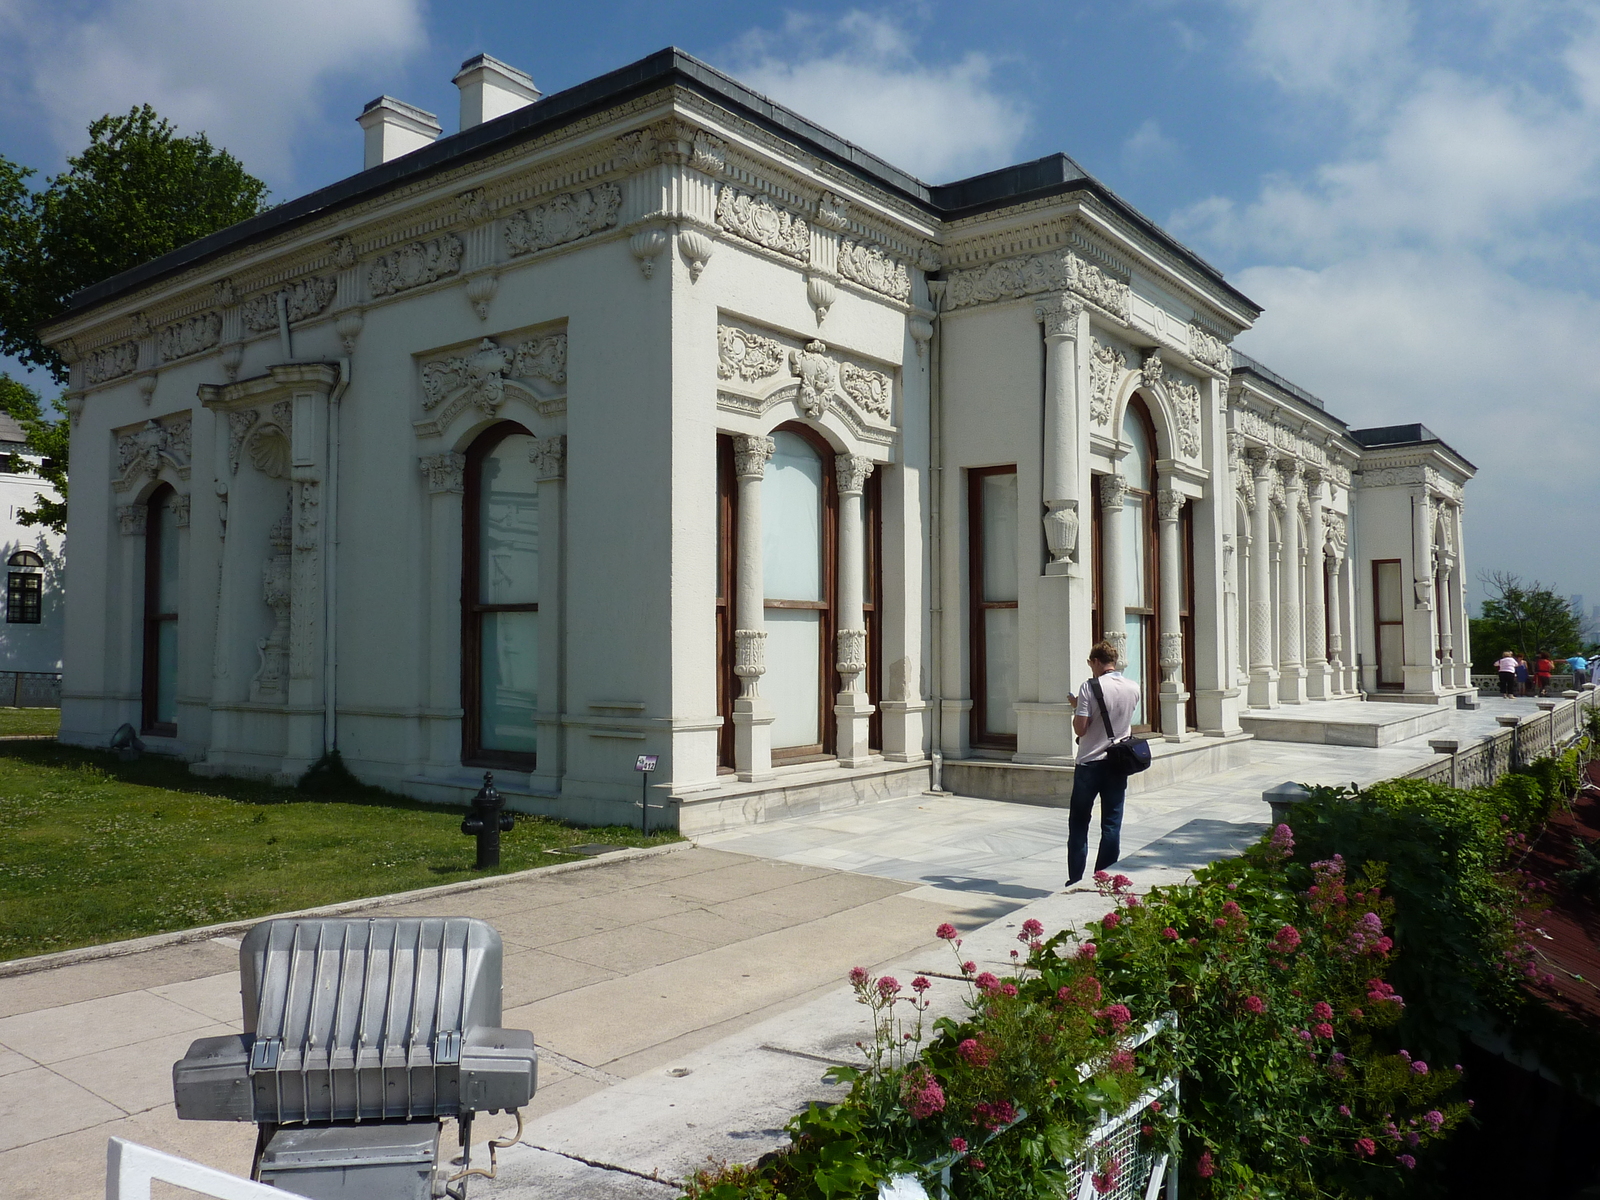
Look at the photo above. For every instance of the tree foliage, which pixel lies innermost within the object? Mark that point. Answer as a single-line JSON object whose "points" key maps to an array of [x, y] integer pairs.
{"points": [[1523, 617], [136, 192], [46, 436]]}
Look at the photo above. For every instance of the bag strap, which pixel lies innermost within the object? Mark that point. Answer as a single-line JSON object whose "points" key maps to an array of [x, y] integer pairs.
{"points": [[1105, 715]]}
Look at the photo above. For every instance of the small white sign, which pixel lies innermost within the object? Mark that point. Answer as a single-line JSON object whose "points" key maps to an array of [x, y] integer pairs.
{"points": [[647, 762]]}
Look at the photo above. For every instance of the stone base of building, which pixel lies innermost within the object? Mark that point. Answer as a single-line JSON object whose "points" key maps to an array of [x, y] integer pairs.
{"points": [[794, 792], [1347, 723], [1037, 783], [1446, 695]]}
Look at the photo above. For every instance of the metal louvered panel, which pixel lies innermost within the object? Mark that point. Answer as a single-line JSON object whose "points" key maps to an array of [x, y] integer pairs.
{"points": [[365, 1019]]}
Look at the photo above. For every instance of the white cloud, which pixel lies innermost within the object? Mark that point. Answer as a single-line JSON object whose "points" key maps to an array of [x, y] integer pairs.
{"points": [[252, 76], [1350, 50], [1148, 147], [859, 76], [1437, 266]]}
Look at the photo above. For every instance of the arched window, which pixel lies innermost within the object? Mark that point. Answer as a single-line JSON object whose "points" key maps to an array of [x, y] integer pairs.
{"points": [[159, 691], [1139, 557], [500, 594], [24, 588], [798, 522]]}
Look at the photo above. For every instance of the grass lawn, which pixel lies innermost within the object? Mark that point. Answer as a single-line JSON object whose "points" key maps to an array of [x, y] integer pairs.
{"points": [[34, 722], [97, 850]]}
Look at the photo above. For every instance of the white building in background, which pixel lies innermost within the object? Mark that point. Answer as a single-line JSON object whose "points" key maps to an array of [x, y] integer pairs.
{"points": [[30, 638], [649, 418]]}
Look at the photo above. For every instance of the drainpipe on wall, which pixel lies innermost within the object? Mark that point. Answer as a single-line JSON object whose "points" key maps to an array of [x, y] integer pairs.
{"points": [[284, 339], [936, 535], [330, 571]]}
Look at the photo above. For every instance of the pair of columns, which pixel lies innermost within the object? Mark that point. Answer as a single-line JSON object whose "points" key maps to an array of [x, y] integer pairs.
{"points": [[752, 715], [1113, 591], [1293, 670]]}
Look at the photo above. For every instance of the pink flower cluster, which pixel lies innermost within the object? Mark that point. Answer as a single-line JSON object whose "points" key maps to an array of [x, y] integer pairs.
{"points": [[1380, 992], [1118, 1015], [1205, 1167], [1281, 845], [993, 1115], [1255, 1005], [976, 1053], [923, 1095], [1286, 941], [1105, 1179], [1367, 937]]}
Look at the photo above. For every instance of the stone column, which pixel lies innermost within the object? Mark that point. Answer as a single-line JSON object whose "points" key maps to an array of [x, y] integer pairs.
{"points": [[1169, 503], [549, 458], [1318, 686], [851, 707], [444, 476], [1059, 475], [1458, 600], [1291, 618], [1422, 629], [1336, 641], [752, 715], [1114, 609], [1263, 670]]}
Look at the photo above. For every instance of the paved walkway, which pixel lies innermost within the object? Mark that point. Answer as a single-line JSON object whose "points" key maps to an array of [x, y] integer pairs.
{"points": [[684, 1004]]}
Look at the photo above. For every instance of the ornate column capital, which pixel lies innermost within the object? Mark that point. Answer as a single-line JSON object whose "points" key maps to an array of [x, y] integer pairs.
{"points": [[445, 473], [131, 519], [750, 455], [1261, 465], [851, 648], [1293, 470], [750, 656], [1169, 502], [1112, 490], [851, 472], [549, 458], [1314, 481], [1058, 313]]}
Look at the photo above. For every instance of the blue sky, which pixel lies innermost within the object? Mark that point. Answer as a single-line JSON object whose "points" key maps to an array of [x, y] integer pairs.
{"points": [[1408, 188]]}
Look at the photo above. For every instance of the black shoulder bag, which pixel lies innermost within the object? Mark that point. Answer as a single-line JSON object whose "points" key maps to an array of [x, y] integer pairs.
{"points": [[1130, 755]]}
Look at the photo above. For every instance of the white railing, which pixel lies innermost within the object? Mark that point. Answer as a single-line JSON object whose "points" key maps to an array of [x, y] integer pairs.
{"points": [[1533, 737], [132, 1168]]}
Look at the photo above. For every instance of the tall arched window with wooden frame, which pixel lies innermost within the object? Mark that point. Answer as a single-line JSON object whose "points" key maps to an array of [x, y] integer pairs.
{"points": [[159, 678], [500, 601], [992, 602]]}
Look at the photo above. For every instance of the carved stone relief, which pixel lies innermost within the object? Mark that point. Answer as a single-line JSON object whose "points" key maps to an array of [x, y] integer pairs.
{"points": [[445, 473], [872, 391], [818, 375], [1186, 410], [1013, 278], [302, 299], [142, 452], [180, 510], [549, 458], [414, 265], [111, 362], [131, 519], [535, 369], [747, 356], [868, 265], [270, 683], [1210, 350], [851, 472], [1106, 367], [564, 219], [268, 444], [191, 336], [757, 219]]}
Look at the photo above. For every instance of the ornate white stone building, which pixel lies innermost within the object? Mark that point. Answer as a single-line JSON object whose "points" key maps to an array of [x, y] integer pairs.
{"points": [[649, 418]]}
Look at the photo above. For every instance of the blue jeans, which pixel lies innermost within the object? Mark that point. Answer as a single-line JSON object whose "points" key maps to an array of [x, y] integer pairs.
{"points": [[1089, 780]]}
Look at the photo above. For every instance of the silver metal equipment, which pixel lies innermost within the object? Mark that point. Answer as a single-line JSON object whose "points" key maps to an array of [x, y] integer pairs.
{"points": [[360, 1037]]}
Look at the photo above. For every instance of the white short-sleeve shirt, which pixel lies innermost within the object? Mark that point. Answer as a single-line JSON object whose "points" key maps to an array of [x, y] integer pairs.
{"points": [[1122, 698]]}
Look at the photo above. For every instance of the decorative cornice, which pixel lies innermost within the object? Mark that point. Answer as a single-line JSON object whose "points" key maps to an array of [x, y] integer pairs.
{"points": [[414, 265], [302, 299], [756, 219], [867, 264], [564, 219], [1014, 278], [191, 336]]}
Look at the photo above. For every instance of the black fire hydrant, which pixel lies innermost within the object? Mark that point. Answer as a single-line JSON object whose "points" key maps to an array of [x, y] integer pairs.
{"points": [[487, 821]]}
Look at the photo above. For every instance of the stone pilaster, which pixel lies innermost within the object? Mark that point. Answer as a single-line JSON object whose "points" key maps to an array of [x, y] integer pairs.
{"points": [[1263, 666], [1174, 698], [752, 715], [851, 708]]}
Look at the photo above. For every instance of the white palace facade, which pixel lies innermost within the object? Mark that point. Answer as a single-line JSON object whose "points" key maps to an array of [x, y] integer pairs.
{"points": [[648, 418]]}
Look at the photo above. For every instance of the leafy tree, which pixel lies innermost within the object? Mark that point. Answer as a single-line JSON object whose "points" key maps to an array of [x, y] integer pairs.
{"points": [[138, 191], [47, 437], [1524, 617]]}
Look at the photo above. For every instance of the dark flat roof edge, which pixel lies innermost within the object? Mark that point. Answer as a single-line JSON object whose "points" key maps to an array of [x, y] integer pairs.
{"points": [[1052, 175], [1375, 439], [1243, 364]]}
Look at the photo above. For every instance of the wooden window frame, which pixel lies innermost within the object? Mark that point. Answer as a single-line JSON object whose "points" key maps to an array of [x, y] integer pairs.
{"points": [[979, 734], [24, 598], [473, 751], [153, 619], [1378, 624], [727, 599], [872, 611], [1186, 615]]}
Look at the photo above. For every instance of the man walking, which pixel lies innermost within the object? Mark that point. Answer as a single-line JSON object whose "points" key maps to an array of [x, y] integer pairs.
{"points": [[1107, 694]]}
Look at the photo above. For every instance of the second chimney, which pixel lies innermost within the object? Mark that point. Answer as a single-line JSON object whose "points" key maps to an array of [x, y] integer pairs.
{"points": [[393, 128], [491, 88]]}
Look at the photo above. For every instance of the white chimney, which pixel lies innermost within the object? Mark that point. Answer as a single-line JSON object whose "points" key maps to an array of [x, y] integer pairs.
{"points": [[393, 128], [490, 89]]}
